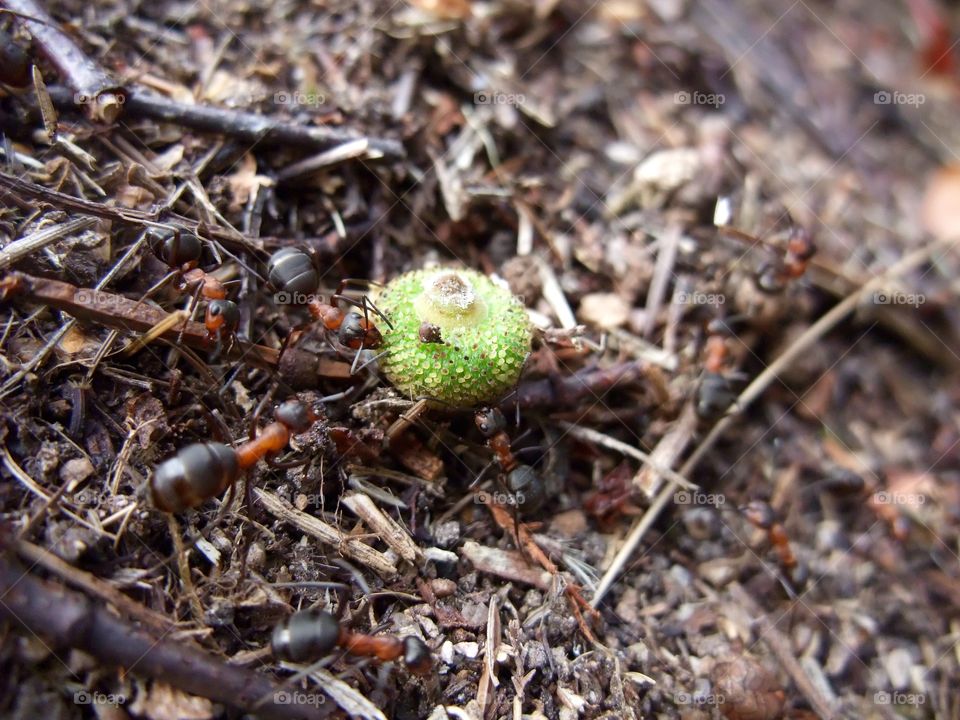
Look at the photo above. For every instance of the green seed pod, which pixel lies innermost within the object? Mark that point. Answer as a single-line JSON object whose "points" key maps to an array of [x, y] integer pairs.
{"points": [[457, 336]]}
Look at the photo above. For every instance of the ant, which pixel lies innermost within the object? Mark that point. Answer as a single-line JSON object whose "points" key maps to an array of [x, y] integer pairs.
{"points": [[773, 278], [716, 391], [521, 481], [759, 514], [612, 496], [201, 471], [181, 252], [309, 635], [292, 272], [430, 334]]}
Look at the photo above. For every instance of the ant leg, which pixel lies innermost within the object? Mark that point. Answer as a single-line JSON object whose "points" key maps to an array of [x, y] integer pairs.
{"points": [[156, 287], [267, 397], [480, 475], [183, 567], [370, 361], [192, 307], [365, 303]]}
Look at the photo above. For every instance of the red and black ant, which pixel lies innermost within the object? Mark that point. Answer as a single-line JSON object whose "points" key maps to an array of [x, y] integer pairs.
{"points": [[773, 277], [522, 482], [293, 274], [201, 471], [310, 635], [717, 389], [181, 252], [759, 514], [612, 496]]}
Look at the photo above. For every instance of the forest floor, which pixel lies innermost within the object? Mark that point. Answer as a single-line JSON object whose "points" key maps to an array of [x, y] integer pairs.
{"points": [[750, 453]]}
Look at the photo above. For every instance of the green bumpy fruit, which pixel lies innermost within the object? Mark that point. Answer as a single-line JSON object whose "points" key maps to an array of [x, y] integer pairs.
{"points": [[485, 336]]}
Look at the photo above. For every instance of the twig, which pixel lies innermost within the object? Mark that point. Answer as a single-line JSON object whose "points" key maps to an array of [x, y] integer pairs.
{"points": [[105, 99], [781, 647], [71, 620], [803, 343], [90, 85], [667, 452], [94, 586], [568, 391], [669, 241], [28, 195], [117, 311], [246, 126], [606, 441], [340, 153], [507, 564], [31, 243], [386, 528], [327, 534]]}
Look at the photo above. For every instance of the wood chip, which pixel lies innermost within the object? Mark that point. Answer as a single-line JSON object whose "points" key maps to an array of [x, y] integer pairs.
{"points": [[387, 529], [327, 534]]}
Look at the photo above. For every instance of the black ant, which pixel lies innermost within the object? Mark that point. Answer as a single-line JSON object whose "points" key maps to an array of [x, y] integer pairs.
{"points": [[759, 514], [310, 635], [292, 272], [522, 481], [181, 252], [201, 471]]}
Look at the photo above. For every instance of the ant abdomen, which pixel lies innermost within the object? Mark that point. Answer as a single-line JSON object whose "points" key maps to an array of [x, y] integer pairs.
{"points": [[174, 249], [527, 488], [196, 473], [416, 655], [305, 636], [291, 270]]}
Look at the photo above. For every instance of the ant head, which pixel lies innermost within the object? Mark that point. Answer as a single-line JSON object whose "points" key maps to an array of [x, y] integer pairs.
{"points": [[305, 636], [357, 331], [416, 655], [222, 315], [174, 247], [490, 421], [759, 513], [295, 415], [291, 271], [801, 243]]}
